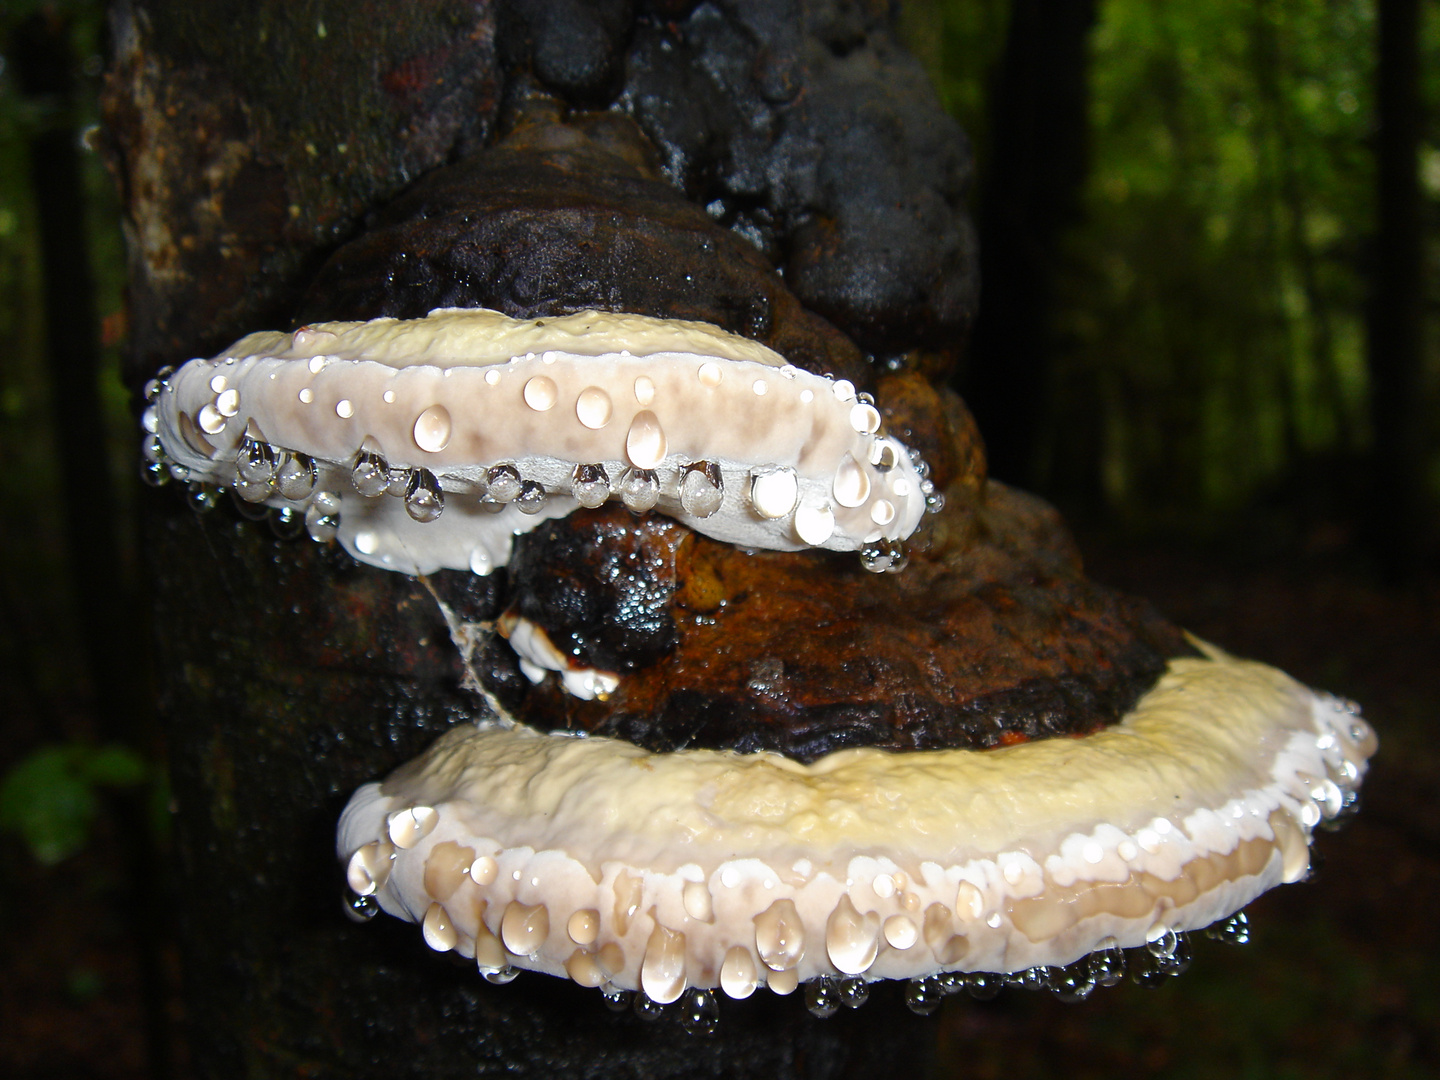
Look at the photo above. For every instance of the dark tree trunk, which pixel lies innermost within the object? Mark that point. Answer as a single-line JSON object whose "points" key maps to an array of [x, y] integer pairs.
{"points": [[1031, 194], [1395, 315]]}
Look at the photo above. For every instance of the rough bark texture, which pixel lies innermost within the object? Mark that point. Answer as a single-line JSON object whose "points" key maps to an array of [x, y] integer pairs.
{"points": [[250, 141]]}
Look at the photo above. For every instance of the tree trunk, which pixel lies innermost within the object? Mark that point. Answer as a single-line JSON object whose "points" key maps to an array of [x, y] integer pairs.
{"points": [[1395, 314], [1031, 194]]}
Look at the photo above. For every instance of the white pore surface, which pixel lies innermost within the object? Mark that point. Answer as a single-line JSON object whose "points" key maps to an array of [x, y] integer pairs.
{"points": [[708, 868], [461, 391]]}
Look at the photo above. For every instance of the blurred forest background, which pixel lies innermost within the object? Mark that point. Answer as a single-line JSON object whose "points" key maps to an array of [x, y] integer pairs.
{"points": [[1210, 326]]}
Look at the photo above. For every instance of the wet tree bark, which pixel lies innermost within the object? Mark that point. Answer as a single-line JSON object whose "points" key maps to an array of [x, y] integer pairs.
{"points": [[1396, 297], [1031, 194], [249, 141]]}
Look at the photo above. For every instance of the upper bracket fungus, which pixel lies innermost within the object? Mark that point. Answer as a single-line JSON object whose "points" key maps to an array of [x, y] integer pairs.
{"points": [[429, 443]]}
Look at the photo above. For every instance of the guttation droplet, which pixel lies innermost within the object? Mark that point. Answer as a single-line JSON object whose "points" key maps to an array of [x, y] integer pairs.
{"points": [[616, 1000], [639, 489], [202, 498], [590, 485], [923, 996], [531, 499], [822, 996], [322, 516], [295, 475], [647, 1009], [424, 501], [501, 976], [503, 483], [361, 908], [699, 1012], [287, 523], [255, 462], [702, 488], [371, 474]]}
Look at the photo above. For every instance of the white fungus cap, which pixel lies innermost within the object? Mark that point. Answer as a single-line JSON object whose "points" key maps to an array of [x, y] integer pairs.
{"points": [[418, 430], [596, 860]]}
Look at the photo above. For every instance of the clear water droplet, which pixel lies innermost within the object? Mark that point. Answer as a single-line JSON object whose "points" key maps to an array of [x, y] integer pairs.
{"points": [[155, 473], [822, 996], [934, 502], [590, 485], [287, 523], [984, 985], [647, 1008], [501, 976], [923, 996], [639, 489], [202, 498], [370, 474], [251, 491], [359, 908], [322, 516], [424, 501], [616, 1000], [699, 1012], [531, 499], [255, 461], [295, 475], [1232, 931], [398, 483], [179, 472], [854, 993], [502, 483], [152, 449], [1107, 963], [702, 489], [1074, 982], [1164, 945], [884, 557]]}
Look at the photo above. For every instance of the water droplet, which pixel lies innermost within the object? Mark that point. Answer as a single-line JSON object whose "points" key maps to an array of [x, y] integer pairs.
{"points": [[501, 976], [923, 996], [884, 557], [398, 482], [593, 408], [934, 502], [1232, 931], [851, 486], [883, 455], [359, 908], [645, 1008], [616, 1000], [1162, 943], [531, 499], [155, 473], [295, 475], [179, 472], [424, 501], [255, 461], [590, 485], [822, 996], [503, 483], [371, 474], [984, 985], [854, 993], [639, 489], [287, 523], [432, 429], [202, 498], [702, 489], [1107, 963], [1075, 982], [322, 516], [699, 1012], [774, 490], [645, 443]]}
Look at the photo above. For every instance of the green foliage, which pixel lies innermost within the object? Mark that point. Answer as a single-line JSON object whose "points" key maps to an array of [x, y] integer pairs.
{"points": [[51, 798], [1212, 322]]}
